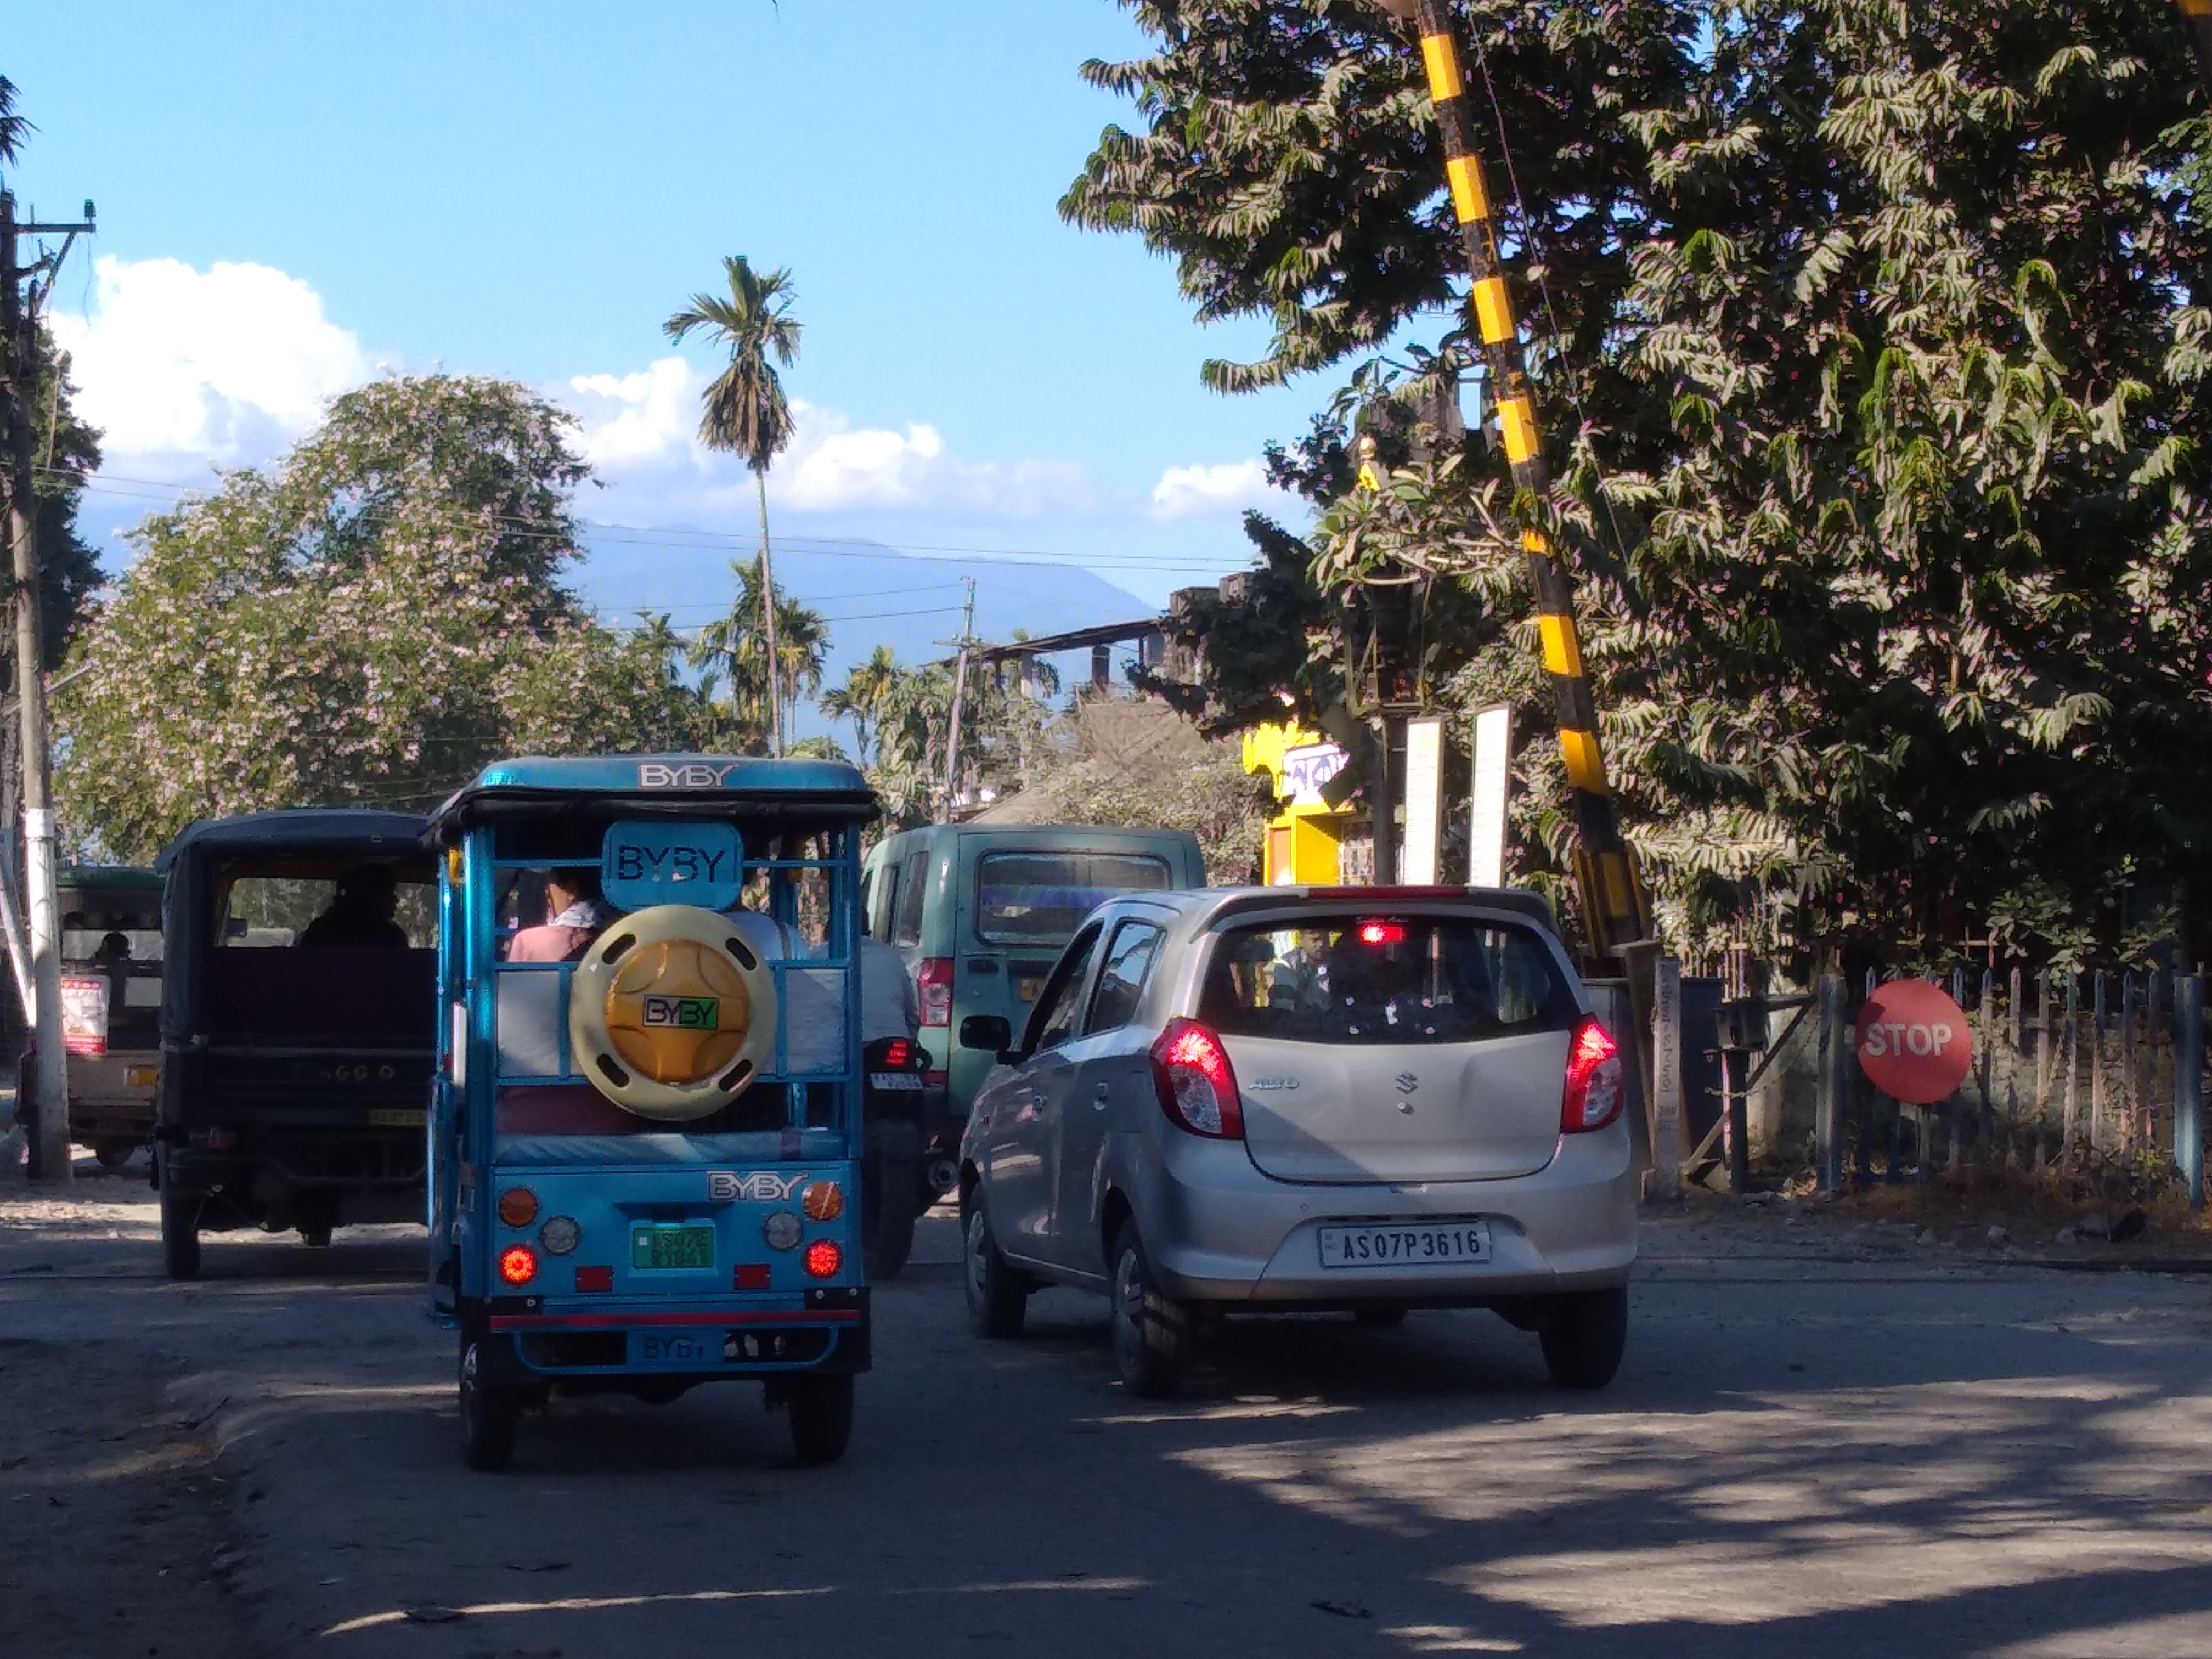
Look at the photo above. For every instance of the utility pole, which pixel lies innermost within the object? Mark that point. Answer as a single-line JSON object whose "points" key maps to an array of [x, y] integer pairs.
{"points": [[2196, 17], [18, 363], [959, 699]]}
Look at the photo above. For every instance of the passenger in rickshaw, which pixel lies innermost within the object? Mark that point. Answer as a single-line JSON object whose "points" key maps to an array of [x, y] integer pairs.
{"points": [[575, 911], [364, 911]]}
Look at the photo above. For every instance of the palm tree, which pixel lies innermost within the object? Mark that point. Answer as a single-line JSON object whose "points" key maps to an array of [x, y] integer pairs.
{"points": [[735, 651], [745, 412], [862, 698]]}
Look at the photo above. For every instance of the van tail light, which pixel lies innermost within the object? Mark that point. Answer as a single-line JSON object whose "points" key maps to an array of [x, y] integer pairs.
{"points": [[1594, 1080], [933, 989], [1198, 1089]]}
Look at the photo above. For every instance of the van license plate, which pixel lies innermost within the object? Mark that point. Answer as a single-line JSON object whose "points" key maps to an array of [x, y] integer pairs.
{"points": [[1416, 1246], [1027, 987], [672, 1247]]}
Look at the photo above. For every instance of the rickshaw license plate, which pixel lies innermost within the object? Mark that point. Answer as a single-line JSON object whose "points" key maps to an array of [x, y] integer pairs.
{"points": [[672, 1247], [396, 1118]]}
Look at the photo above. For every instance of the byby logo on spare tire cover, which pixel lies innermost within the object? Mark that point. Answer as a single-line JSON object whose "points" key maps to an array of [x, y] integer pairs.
{"points": [[671, 1015]]}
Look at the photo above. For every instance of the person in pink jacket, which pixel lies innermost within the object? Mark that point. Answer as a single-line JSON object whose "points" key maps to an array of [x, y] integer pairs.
{"points": [[575, 912]]}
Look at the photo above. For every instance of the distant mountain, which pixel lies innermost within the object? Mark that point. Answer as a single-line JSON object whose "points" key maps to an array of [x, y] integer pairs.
{"points": [[869, 593]]}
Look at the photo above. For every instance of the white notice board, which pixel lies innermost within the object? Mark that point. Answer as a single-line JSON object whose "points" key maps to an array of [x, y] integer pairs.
{"points": [[1424, 794], [1493, 753]]}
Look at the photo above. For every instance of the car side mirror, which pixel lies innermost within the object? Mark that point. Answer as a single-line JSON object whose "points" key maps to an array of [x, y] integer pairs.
{"points": [[990, 1031]]}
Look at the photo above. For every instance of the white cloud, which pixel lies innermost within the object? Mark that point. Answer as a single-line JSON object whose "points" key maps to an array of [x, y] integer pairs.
{"points": [[229, 364], [1184, 491], [642, 430]]}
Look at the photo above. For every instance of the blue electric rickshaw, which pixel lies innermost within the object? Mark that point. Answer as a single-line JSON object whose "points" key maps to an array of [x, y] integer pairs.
{"points": [[646, 1118]]}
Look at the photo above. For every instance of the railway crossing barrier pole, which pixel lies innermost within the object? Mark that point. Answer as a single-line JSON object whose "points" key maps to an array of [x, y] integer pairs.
{"points": [[1666, 1095]]}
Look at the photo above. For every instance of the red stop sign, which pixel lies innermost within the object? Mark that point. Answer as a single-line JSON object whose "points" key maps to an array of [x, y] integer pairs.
{"points": [[1914, 1044]]}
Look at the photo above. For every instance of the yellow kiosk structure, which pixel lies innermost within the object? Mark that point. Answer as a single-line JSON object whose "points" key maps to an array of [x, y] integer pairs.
{"points": [[1309, 842]]}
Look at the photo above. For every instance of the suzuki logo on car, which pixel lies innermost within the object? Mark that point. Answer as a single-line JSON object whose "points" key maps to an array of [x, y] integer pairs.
{"points": [[1406, 1082], [760, 1187]]}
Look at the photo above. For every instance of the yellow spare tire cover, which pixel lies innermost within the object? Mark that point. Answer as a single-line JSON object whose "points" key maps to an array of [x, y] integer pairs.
{"points": [[672, 1013]]}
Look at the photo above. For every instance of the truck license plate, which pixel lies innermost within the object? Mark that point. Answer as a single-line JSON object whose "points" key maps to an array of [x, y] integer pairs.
{"points": [[1420, 1244]]}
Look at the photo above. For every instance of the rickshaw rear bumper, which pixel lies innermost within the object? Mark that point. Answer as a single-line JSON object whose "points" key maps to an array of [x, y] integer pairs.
{"points": [[613, 1347]]}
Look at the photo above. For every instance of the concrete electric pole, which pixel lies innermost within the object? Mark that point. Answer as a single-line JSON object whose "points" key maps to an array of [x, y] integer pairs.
{"points": [[959, 703], [19, 356]]}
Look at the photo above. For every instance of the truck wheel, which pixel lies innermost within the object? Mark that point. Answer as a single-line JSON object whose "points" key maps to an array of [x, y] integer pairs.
{"points": [[887, 1216], [1583, 1336], [1151, 1331], [821, 1418], [998, 1292], [180, 1235], [489, 1416]]}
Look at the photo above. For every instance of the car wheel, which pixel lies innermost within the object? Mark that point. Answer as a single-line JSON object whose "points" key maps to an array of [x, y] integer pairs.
{"points": [[998, 1292], [821, 1418], [1151, 1331], [180, 1233], [1583, 1336], [488, 1417], [316, 1238], [1380, 1319]]}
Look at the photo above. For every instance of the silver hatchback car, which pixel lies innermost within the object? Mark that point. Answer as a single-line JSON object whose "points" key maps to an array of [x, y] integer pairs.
{"points": [[1285, 1099]]}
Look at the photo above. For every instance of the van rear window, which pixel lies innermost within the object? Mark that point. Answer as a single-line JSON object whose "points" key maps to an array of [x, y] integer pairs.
{"points": [[1040, 898], [1384, 978]]}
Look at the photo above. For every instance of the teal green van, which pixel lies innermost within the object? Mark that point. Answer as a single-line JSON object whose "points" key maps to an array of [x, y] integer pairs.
{"points": [[980, 912]]}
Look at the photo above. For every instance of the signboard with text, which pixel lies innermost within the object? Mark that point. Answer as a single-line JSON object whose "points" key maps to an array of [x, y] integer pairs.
{"points": [[1914, 1042]]}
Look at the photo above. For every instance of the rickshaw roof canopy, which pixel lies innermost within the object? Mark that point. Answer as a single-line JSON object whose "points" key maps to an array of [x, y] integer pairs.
{"points": [[808, 790], [367, 831]]}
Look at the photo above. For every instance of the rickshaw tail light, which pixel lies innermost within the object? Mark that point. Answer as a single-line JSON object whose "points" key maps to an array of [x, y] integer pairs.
{"points": [[518, 1264], [518, 1206], [824, 1257]]}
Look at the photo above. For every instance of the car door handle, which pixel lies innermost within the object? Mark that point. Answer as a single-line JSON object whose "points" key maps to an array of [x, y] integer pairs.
{"points": [[1098, 1100]]}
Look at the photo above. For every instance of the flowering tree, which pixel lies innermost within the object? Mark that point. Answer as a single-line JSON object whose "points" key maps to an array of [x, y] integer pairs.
{"points": [[369, 621]]}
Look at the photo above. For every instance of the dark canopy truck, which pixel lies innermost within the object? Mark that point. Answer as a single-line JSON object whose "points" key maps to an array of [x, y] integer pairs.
{"points": [[299, 1025]]}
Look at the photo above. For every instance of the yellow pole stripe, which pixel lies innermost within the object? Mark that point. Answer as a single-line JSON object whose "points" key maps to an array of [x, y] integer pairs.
{"points": [[1518, 422], [1444, 67], [1367, 478], [1562, 652], [2189, 8], [1468, 200], [1535, 541], [1494, 311], [1585, 766]]}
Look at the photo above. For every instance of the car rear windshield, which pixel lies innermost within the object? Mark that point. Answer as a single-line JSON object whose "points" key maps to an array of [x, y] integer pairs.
{"points": [[1384, 978], [1040, 898]]}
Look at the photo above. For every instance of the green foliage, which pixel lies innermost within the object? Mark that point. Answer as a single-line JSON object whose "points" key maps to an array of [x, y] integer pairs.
{"points": [[734, 651], [1871, 343], [745, 411], [371, 620], [65, 451], [1208, 793]]}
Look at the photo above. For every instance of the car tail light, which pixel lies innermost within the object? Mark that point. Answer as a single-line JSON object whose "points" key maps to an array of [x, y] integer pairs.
{"points": [[933, 989], [518, 1264], [824, 1257], [1198, 1090], [1594, 1079], [594, 1278]]}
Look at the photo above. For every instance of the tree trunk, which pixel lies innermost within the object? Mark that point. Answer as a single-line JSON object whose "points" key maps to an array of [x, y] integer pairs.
{"points": [[768, 607]]}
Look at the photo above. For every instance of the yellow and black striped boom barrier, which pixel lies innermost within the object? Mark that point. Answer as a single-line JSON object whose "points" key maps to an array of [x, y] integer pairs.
{"points": [[1618, 915]]}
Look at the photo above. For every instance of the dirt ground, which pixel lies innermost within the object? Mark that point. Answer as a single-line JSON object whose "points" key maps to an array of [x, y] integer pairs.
{"points": [[116, 1535]]}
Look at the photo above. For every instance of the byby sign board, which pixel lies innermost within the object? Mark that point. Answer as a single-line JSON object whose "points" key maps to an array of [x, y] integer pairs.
{"points": [[1914, 1043], [650, 862]]}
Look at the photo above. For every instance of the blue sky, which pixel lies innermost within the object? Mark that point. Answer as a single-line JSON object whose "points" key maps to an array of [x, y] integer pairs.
{"points": [[293, 198]]}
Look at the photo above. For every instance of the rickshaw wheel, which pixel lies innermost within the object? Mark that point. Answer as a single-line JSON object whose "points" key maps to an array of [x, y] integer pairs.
{"points": [[489, 1416], [821, 1418], [181, 1237]]}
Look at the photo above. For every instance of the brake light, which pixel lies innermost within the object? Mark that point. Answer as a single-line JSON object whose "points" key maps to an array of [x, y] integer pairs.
{"points": [[1381, 933], [1198, 1090], [824, 1257], [933, 989], [1594, 1092], [589, 1279], [518, 1264], [898, 1054]]}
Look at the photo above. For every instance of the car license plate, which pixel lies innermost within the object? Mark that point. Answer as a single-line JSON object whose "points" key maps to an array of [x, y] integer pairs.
{"points": [[397, 1118], [1417, 1245], [672, 1247], [1027, 987], [894, 1080]]}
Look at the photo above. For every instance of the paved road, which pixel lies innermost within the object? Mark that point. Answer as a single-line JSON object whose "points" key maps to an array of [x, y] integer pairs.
{"points": [[1821, 1443]]}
